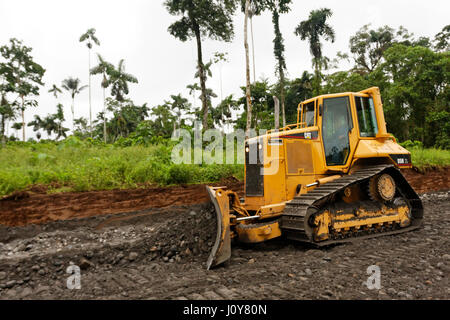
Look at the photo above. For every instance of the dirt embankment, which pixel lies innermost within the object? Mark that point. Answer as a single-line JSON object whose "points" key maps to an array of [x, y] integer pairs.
{"points": [[431, 180], [31, 207], [37, 207]]}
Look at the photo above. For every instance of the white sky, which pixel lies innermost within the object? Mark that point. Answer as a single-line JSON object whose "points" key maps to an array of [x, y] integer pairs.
{"points": [[136, 30]]}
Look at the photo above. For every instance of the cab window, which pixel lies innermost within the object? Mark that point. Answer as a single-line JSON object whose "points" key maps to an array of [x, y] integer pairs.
{"points": [[367, 119], [336, 125], [308, 114]]}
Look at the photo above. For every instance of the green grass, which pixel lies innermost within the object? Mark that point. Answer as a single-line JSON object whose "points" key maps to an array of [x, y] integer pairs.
{"points": [[77, 166], [424, 159]]}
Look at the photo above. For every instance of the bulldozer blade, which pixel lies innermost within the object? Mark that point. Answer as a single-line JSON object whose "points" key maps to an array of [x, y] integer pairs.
{"points": [[221, 250]]}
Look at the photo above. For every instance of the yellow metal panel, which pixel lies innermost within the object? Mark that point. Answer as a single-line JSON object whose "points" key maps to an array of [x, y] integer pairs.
{"points": [[255, 234], [298, 157]]}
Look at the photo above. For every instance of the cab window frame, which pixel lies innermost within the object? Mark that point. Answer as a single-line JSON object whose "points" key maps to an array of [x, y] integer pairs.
{"points": [[377, 129], [303, 114]]}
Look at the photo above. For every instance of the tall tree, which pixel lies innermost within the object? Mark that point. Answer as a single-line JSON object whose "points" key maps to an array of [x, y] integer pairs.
{"points": [[256, 7], [73, 86], [104, 68], [278, 7], [23, 75], [119, 79], [90, 38], [247, 72], [200, 19], [313, 29]]}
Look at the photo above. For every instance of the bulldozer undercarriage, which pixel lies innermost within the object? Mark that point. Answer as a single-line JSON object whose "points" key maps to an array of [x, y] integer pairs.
{"points": [[371, 202], [323, 216]]}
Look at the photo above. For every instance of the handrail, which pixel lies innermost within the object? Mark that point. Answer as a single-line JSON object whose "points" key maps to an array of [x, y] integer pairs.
{"points": [[299, 125]]}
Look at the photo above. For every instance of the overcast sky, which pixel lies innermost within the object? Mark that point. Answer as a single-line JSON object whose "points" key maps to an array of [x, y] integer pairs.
{"points": [[136, 30]]}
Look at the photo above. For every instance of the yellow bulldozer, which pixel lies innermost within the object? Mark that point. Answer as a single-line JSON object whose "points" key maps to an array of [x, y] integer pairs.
{"points": [[331, 177]]}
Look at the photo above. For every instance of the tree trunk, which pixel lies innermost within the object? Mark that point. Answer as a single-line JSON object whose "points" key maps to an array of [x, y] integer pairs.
{"points": [[282, 95], [90, 108], [277, 112], [202, 76], [247, 73], [73, 113], [104, 116], [278, 51], [23, 117], [3, 131], [317, 85], [253, 49]]}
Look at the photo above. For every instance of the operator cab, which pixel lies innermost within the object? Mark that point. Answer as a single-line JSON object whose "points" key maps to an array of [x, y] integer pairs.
{"points": [[334, 117]]}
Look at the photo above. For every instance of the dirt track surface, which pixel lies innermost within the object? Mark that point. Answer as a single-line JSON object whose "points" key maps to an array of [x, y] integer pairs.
{"points": [[161, 254]]}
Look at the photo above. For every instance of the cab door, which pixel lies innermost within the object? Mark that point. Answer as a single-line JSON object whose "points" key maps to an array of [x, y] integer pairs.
{"points": [[337, 130]]}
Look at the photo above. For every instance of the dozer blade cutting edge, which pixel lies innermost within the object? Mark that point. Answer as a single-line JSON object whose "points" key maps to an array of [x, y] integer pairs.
{"points": [[221, 250]]}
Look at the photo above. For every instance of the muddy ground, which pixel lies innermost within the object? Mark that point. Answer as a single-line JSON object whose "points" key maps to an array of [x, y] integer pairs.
{"points": [[160, 253]]}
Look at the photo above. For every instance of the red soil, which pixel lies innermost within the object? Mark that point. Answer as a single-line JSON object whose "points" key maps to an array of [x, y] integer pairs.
{"points": [[30, 207], [35, 206]]}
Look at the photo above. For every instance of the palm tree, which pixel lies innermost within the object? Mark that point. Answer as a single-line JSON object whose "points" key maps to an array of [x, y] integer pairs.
{"points": [[247, 72], [90, 37], [103, 68], [55, 90], [177, 106], [312, 29], [278, 7], [118, 79], [219, 58], [199, 20], [193, 88], [73, 86]]}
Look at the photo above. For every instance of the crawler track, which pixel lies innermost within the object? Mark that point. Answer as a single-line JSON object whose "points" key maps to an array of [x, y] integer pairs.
{"points": [[295, 218]]}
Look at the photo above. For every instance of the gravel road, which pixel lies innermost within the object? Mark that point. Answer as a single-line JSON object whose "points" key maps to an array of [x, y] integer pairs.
{"points": [[161, 254]]}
